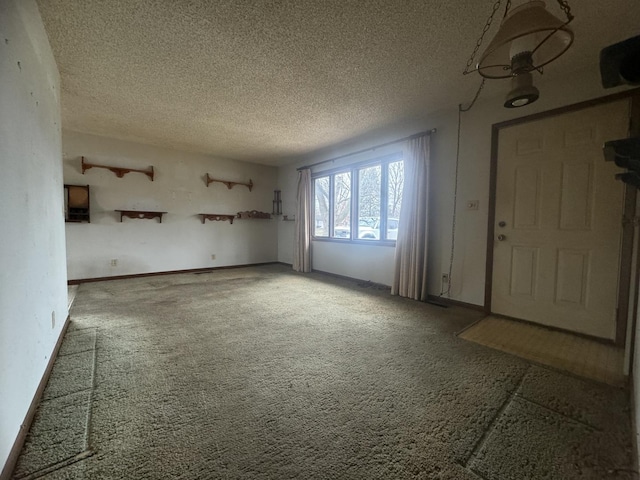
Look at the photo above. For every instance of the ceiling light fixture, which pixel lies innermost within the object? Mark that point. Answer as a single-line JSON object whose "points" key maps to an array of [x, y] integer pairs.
{"points": [[529, 38]]}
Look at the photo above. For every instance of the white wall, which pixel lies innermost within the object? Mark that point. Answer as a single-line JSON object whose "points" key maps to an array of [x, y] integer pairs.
{"points": [[475, 154], [181, 241], [33, 291], [366, 262], [373, 263], [468, 276], [288, 184]]}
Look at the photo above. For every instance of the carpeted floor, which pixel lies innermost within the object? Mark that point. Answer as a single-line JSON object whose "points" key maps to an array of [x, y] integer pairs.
{"points": [[261, 373]]}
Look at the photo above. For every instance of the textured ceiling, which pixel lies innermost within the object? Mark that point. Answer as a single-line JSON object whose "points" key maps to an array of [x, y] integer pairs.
{"points": [[266, 81]]}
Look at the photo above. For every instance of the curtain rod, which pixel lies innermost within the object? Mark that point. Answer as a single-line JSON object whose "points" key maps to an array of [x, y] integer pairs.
{"points": [[410, 137]]}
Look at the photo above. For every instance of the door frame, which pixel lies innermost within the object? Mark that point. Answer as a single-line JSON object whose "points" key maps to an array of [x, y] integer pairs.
{"points": [[627, 216]]}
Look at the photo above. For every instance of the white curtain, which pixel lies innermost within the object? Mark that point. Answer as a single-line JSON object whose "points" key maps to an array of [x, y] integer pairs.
{"points": [[302, 241], [410, 276]]}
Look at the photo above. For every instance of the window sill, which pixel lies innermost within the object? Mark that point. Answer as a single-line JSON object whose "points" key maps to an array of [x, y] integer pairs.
{"points": [[347, 241]]}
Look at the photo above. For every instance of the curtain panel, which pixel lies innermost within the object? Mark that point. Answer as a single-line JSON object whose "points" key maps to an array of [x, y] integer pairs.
{"points": [[302, 240], [410, 274]]}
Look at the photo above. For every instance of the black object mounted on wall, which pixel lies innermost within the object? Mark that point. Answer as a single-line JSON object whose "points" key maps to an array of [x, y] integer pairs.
{"points": [[626, 154], [76, 203], [620, 63]]}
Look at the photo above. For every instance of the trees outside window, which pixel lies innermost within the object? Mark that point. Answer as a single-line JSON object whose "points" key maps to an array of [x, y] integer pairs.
{"points": [[394, 197], [321, 207], [369, 191], [341, 205]]}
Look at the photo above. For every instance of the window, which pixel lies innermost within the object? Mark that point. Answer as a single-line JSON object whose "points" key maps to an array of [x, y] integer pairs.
{"points": [[321, 207], [395, 182], [369, 190], [341, 205], [360, 202]]}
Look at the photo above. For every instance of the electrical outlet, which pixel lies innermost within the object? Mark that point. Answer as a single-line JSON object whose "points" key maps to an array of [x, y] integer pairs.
{"points": [[114, 262], [444, 285], [213, 256]]}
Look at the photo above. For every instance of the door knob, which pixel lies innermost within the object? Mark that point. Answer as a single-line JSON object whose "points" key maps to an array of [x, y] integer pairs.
{"points": [[502, 238]]}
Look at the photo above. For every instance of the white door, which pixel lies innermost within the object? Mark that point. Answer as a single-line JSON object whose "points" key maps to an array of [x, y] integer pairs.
{"points": [[559, 220]]}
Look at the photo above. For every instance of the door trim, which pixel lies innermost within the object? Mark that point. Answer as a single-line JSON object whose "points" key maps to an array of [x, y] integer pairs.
{"points": [[623, 296]]}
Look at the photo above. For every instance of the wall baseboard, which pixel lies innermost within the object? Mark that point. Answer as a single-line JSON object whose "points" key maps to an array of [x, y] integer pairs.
{"points": [[345, 277], [10, 464], [430, 298], [168, 272]]}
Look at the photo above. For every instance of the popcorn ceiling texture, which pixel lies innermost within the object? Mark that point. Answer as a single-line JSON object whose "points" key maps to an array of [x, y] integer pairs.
{"points": [[270, 80]]}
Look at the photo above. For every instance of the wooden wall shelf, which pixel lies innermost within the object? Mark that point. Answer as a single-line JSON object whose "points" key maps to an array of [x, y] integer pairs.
{"points": [[217, 217], [119, 171], [135, 214], [254, 214], [229, 185]]}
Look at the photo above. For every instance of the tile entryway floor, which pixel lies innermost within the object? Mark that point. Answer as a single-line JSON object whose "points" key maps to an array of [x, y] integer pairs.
{"points": [[564, 351]]}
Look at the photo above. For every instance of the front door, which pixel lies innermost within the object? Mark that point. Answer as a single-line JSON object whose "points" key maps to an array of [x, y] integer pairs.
{"points": [[558, 221]]}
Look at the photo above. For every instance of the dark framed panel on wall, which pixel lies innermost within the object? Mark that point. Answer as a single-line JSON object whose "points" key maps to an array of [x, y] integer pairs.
{"points": [[76, 203]]}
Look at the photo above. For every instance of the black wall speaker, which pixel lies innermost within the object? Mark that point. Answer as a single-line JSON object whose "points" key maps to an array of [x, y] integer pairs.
{"points": [[626, 154], [620, 63]]}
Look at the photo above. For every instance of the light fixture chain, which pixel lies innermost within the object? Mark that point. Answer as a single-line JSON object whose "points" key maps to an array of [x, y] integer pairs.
{"points": [[564, 5], [486, 28], [460, 108], [507, 8]]}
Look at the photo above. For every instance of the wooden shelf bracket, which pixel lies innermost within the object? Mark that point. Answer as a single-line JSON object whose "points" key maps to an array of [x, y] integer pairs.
{"points": [[140, 214], [229, 184], [217, 217], [119, 171]]}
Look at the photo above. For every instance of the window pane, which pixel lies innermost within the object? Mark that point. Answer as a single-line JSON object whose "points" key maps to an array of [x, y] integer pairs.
{"points": [[369, 202], [394, 198], [342, 205], [321, 203]]}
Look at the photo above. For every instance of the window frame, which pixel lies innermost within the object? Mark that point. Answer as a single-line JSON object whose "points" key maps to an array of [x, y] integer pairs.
{"points": [[354, 169]]}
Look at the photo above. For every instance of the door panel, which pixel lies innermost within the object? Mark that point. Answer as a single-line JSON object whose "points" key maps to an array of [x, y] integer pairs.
{"points": [[576, 196], [524, 266], [558, 221], [526, 206], [573, 277]]}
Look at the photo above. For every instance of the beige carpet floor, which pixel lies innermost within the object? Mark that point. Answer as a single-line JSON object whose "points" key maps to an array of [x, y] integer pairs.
{"points": [[572, 353], [262, 373]]}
